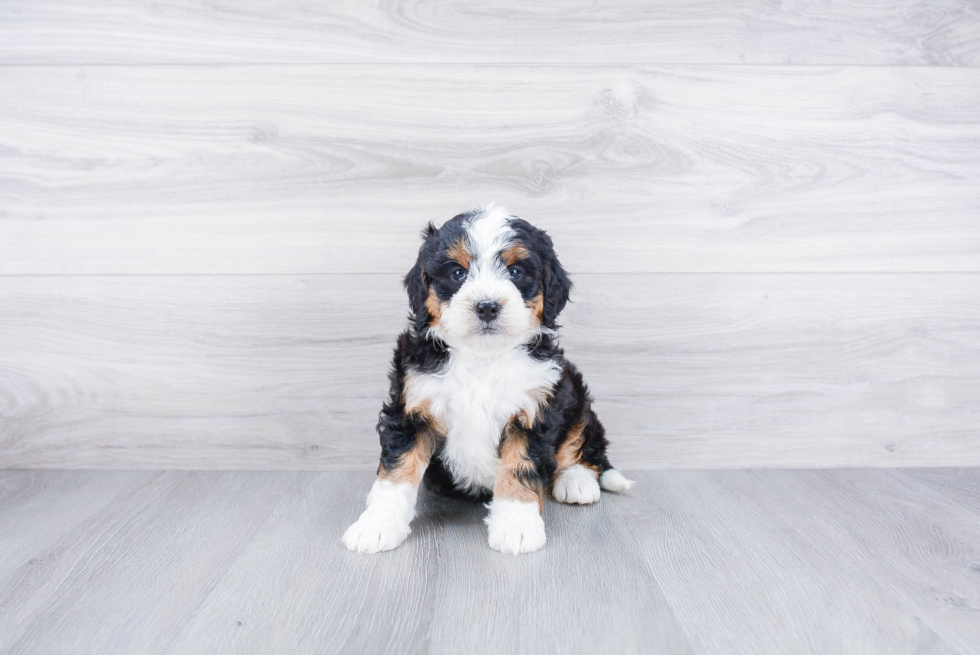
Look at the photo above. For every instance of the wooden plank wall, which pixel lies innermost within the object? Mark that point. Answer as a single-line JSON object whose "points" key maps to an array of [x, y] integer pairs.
{"points": [[771, 214]]}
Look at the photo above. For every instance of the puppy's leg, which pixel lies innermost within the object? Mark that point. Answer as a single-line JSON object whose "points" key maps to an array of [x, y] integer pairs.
{"points": [[583, 466], [405, 452], [515, 525]]}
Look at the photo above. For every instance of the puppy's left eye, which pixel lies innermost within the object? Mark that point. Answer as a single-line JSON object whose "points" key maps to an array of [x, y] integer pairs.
{"points": [[515, 273]]}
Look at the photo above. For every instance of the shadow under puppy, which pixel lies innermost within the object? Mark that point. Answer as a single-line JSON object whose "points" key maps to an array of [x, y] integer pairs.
{"points": [[483, 402]]}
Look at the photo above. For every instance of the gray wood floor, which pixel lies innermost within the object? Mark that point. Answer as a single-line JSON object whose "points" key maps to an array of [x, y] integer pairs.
{"points": [[787, 561]]}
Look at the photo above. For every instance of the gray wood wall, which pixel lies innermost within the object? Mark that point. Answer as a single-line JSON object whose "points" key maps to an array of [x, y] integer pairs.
{"points": [[771, 213]]}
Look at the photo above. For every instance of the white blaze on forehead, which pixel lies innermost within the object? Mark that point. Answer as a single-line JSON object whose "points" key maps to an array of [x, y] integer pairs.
{"points": [[489, 233]]}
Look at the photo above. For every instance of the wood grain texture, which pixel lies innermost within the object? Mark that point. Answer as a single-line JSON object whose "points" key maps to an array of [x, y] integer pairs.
{"points": [[324, 169], [965, 491], [151, 555], [66, 502], [840, 549], [881, 32], [239, 372], [751, 562]]}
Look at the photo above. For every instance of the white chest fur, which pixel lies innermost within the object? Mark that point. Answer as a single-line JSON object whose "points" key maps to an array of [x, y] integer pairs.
{"points": [[473, 398]]}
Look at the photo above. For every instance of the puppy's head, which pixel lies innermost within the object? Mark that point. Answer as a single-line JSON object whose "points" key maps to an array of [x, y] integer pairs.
{"points": [[486, 281]]}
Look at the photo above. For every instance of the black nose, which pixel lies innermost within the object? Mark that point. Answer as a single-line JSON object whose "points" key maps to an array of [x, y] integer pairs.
{"points": [[487, 310]]}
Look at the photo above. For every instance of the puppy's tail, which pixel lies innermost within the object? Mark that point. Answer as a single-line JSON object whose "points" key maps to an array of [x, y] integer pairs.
{"points": [[613, 480]]}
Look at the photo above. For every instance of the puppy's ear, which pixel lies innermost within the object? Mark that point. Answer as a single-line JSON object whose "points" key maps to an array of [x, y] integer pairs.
{"points": [[556, 286], [417, 283], [555, 282]]}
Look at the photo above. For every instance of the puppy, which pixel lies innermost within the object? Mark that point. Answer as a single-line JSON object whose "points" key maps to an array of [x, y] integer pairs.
{"points": [[483, 403]]}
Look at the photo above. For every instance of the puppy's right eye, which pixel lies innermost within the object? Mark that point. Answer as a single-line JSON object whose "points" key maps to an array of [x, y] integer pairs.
{"points": [[459, 274]]}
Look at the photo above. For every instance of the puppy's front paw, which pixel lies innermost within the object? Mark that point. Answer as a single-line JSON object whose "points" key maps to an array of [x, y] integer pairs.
{"points": [[515, 527], [577, 485], [375, 532]]}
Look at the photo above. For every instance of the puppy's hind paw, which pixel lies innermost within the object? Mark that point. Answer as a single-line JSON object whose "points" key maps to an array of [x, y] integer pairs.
{"points": [[576, 485]]}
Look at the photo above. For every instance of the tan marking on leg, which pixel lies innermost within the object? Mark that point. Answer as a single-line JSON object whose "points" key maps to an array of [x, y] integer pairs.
{"points": [[527, 418], [569, 453], [459, 252], [592, 467], [541, 397], [514, 462], [412, 402], [412, 464], [416, 405], [514, 254]]}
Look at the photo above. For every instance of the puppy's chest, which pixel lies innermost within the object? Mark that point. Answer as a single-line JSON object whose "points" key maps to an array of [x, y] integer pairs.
{"points": [[473, 398]]}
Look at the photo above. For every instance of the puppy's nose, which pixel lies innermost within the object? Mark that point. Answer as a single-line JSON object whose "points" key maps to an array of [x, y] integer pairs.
{"points": [[487, 310]]}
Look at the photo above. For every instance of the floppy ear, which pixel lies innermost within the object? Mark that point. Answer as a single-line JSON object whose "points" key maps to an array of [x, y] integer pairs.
{"points": [[556, 286], [418, 290], [417, 283]]}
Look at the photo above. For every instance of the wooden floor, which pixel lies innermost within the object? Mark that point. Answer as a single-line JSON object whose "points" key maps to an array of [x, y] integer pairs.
{"points": [[778, 561]]}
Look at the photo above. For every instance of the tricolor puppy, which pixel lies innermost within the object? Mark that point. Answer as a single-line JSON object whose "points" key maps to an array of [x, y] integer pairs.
{"points": [[483, 402]]}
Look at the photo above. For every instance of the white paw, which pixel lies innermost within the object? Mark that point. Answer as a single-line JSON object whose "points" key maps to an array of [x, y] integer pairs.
{"points": [[577, 485], [515, 527], [375, 532]]}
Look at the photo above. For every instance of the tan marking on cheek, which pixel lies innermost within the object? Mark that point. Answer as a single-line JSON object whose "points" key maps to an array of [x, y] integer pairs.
{"points": [[569, 452], [434, 305], [536, 305], [514, 462], [459, 252], [514, 254]]}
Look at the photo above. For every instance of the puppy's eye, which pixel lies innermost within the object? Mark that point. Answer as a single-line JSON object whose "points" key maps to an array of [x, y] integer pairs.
{"points": [[515, 273], [459, 274]]}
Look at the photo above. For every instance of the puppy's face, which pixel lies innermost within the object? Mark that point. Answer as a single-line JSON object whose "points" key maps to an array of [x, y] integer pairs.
{"points": [[486, 281]]}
